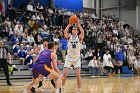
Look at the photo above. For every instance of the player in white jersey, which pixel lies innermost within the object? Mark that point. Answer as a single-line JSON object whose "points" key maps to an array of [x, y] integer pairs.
{"points": [[73, 52]]}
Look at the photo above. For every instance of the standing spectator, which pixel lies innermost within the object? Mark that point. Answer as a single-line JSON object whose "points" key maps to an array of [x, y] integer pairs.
{"points": [[3, 61], [120, 60], [63, 43], [93, 67]]}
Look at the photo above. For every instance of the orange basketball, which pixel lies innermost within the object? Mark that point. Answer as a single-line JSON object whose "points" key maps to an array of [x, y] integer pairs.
{"points": [[73, 19]]}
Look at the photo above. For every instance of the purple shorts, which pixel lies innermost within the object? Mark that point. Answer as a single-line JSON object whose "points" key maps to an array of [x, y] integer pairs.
{"points": [[41, 69]]}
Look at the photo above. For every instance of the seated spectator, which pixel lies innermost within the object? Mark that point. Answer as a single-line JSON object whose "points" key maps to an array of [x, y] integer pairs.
{"points": [[107, 64], [36, 25], [32, 61], [137, 65], [89, 54], [83, 49], [40, 17], [31, 23], [30, 7], [24, 35], [51, 36], [35, 16], [131, 60], [100, 63], [30, 39], [15, 37], [93, 67], [99, 53], [18, 28], [16, 48], [22, 55], [39, 7]]}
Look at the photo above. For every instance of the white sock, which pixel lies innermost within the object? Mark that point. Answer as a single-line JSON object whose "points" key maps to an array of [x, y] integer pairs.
{"points": [[79, 89], [62, 87], [25, 91], [56, 90]]}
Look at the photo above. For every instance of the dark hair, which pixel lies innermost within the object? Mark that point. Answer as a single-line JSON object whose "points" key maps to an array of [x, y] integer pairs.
{"points": [[51, 45], [56, 43], [45, 39]]}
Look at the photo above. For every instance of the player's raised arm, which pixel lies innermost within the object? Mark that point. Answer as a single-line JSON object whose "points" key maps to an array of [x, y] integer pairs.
{"points": [[54, 63], [81, 36], [66, 31]]}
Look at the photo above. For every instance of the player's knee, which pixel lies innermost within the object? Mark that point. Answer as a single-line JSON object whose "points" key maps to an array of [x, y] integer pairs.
{"points": [[36, 80], [58, 77], [65, 72]]}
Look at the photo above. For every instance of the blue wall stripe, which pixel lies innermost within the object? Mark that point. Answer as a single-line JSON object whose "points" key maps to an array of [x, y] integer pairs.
{"points": [[73, 5]]}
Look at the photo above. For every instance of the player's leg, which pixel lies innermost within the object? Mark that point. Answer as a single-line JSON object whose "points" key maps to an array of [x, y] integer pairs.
{"points": [[78, 76], [34, 82], [67, 65], [78, 73], [58, 79], [40, 81], [53, 83], [65, 73]]}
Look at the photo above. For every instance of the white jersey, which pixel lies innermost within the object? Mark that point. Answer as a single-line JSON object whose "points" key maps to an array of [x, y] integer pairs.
{"points": [[74, 47]]}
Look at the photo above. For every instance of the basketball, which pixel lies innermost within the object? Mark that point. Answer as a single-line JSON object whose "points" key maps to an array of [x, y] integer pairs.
{"points": [[73, 19]]}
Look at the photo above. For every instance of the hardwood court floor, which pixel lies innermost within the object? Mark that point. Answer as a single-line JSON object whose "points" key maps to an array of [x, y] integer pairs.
{"points": [[89, 85]]}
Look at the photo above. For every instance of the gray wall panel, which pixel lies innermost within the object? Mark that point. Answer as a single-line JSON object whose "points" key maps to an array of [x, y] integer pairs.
{"points": [[128, 2], [112, 12], [128, 15], [110, 3]]}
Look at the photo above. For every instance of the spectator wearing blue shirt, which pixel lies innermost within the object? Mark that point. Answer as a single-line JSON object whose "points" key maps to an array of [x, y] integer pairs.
{"points": [[15, 37], [15, 49], [22, 54], [120, 59], [63, 43]]}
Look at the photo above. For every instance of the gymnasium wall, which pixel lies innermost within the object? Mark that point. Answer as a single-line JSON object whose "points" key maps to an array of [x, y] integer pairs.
{"points": [[89, 3], [125, 10], [73, 5], [18, 3]]}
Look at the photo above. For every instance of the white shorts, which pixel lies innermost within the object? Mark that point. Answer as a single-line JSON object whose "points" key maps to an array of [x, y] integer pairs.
{"points": [[75, 62]]}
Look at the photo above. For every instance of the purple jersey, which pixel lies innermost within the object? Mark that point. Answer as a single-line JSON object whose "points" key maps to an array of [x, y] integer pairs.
{"points": [[45, 58]]}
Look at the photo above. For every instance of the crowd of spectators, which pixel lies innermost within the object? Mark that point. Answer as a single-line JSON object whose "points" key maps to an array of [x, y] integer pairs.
{"points": [[108, 43]]}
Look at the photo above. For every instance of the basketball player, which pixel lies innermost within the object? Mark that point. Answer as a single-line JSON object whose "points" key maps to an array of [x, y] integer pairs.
{"points": [[73, 52], [38, 50], [43, 67]]}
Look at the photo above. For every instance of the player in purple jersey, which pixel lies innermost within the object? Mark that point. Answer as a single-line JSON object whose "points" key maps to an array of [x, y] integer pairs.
{"points": [[43, 67]]}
